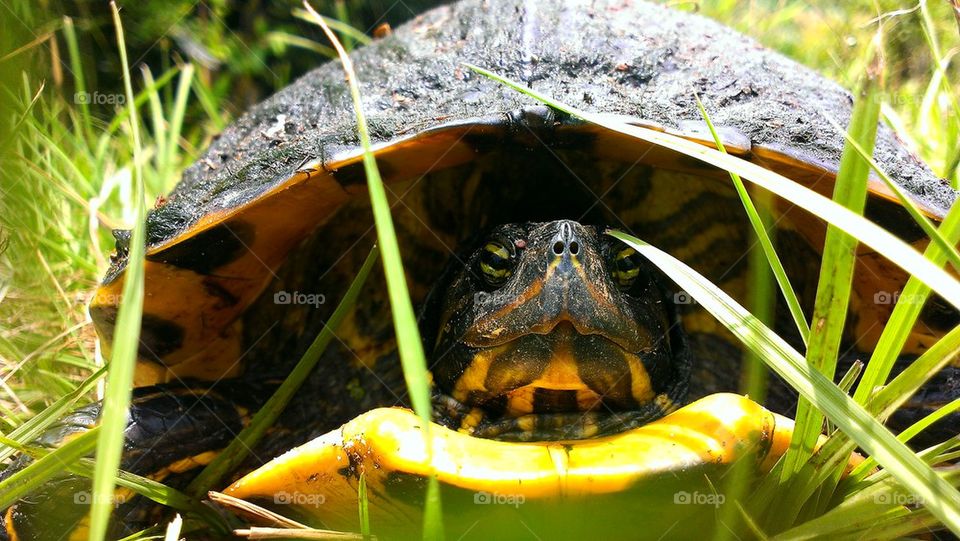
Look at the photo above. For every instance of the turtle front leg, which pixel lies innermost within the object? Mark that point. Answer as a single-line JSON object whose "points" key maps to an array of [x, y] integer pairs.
{"points": [[173, 430]]}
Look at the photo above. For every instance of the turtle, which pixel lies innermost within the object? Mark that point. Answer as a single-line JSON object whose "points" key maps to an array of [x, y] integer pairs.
{"points": [[495, 198]]}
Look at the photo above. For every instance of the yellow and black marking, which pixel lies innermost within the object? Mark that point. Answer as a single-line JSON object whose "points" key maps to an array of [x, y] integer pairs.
{"points": [[626, 269], [200, 282], [495, 263]]}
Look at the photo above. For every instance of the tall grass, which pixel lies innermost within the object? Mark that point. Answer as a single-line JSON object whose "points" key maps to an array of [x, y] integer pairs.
{"points": [[116, 400], [409, 343]]}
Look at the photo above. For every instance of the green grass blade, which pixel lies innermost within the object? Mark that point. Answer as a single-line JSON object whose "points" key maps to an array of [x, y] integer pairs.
{"points": [[238, 449], [884, 242], [945, 351], [45, 468], [928, 420], [209, 104], [409, 343], [79, 82], [142, 97], [35, 426], [24, 116], [941, 498], [343, 27], [861, 513], [433, 512], [846, 383], [793, 303], [144, 486], [285, 39], [157, 118], [904, 315], [848, 379], [905, 200], [364, 506], [838, 262], [149, 534], [340, 10], [116, 400], [176, 123], [864, 468], [939, 60]]}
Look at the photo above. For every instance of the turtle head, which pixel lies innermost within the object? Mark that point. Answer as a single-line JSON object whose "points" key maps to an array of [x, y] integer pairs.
{"points": [[557, 318]]}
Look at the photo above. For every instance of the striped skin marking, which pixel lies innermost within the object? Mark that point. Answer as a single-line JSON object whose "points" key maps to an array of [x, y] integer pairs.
{"points": [[189, 463], [472, 420], [536, 287], [475, 376], [641, 388], [81, 531], [587, 400]]}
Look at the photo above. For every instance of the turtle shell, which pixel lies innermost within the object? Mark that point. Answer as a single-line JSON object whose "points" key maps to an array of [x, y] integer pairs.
{"points": [[459, 151]]}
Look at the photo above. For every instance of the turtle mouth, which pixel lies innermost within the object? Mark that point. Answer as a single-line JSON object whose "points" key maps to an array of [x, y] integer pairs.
{"points": [[555, 370], [563, 328]]}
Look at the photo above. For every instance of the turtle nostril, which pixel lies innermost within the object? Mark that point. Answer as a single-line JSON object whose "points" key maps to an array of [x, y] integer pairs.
{"points": [[558, 247], [574, 248]]}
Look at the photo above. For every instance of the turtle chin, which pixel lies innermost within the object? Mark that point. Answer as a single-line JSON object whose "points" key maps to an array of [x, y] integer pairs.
{"points": [[562, 371]]}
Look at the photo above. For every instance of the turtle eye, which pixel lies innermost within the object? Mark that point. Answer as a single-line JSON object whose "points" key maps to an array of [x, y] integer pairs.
{"points": [[625, 267], [495, 263]]}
